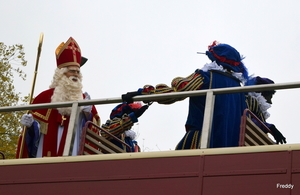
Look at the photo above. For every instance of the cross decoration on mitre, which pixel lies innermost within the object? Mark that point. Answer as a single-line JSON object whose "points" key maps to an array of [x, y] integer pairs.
{"points": [[68, 54]]}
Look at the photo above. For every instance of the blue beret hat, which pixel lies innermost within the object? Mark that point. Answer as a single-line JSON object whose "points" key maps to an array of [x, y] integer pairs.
{"points": [[227, 56]]}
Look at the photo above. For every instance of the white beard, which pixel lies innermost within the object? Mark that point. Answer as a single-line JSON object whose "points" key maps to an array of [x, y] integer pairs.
{"points": [[67, 90]]}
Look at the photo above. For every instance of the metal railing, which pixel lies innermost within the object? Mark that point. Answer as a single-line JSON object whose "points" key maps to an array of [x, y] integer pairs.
{"points": [[206, 129]]}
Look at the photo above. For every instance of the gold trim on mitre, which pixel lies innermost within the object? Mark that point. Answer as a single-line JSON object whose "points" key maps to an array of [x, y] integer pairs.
{"points": [[58, 49], [68, 53]]}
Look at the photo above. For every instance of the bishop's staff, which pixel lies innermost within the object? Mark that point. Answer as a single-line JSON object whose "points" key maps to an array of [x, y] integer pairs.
{"points": [[39, 49]]}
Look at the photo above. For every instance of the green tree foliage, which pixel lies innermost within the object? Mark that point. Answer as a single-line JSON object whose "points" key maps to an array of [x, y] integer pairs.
{"points": [[12, 59]]}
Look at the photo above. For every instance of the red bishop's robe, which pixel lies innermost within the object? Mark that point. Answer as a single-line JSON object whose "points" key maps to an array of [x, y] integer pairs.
{"points": [[50, 120]]}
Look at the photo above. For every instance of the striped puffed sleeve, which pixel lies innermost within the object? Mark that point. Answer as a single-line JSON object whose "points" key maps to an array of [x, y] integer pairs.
{"points": [[117, 126], [190, 83], [253, 106]]}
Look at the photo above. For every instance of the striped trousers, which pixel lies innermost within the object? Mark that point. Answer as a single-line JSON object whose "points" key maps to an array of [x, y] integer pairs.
{"points": [[191, 140]]}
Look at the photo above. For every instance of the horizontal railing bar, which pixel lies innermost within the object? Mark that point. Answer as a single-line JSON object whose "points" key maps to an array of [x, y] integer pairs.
{"points": [[60, 104], [265, 87]]}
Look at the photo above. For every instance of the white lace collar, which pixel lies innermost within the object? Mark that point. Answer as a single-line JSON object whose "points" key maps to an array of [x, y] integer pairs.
{"points": [[214, 66], [262, 102]]}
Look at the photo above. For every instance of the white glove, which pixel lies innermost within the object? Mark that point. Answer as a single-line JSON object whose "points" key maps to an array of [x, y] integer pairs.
{"points": [[27, 120], [87, 96], [130, 134], [88, 108]]}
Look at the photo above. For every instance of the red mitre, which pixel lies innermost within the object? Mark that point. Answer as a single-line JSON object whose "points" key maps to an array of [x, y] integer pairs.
{"points": [[68, 54]]}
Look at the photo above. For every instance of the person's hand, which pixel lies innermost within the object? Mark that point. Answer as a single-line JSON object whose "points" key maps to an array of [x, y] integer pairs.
{"points": [[140, 111], [87, 96], [87, 108], [277, 135], [128, 96], [27, 120]]}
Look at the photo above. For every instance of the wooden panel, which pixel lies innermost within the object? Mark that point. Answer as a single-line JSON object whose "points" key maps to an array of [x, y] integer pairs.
{"points": [[245, 185], [91, 149], [296, 161], [164, 186], [296, 182], [99, 145], [250, 133], [104, 141], [226, 174], [86, 153], [247, 174], [158, 176], [255, 162], [250, 141], [254, 136], [259, 132]]}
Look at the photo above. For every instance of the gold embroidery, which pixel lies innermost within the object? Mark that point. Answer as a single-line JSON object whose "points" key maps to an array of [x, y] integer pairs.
{"points": [[46, 117], [43, 126], [63, 118]]}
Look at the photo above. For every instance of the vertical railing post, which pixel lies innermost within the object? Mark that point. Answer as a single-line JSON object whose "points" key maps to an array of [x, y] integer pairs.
{"points": [[207, 120], [71, 130]]}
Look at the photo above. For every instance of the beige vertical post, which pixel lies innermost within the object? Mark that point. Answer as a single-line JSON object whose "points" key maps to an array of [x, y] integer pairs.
{"points": [[71, 130], [207, 121]]}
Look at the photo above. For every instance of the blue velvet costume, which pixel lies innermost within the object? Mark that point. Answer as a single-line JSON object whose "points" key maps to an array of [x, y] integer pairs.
{"points": [[228, 108]]}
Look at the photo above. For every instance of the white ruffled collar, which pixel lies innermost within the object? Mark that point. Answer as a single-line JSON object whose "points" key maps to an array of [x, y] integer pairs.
{"points": [[131, 134], [262, 102], [214, 66]]}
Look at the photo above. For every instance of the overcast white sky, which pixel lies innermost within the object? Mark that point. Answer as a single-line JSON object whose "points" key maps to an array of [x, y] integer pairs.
{"points": [[130, 43]]}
